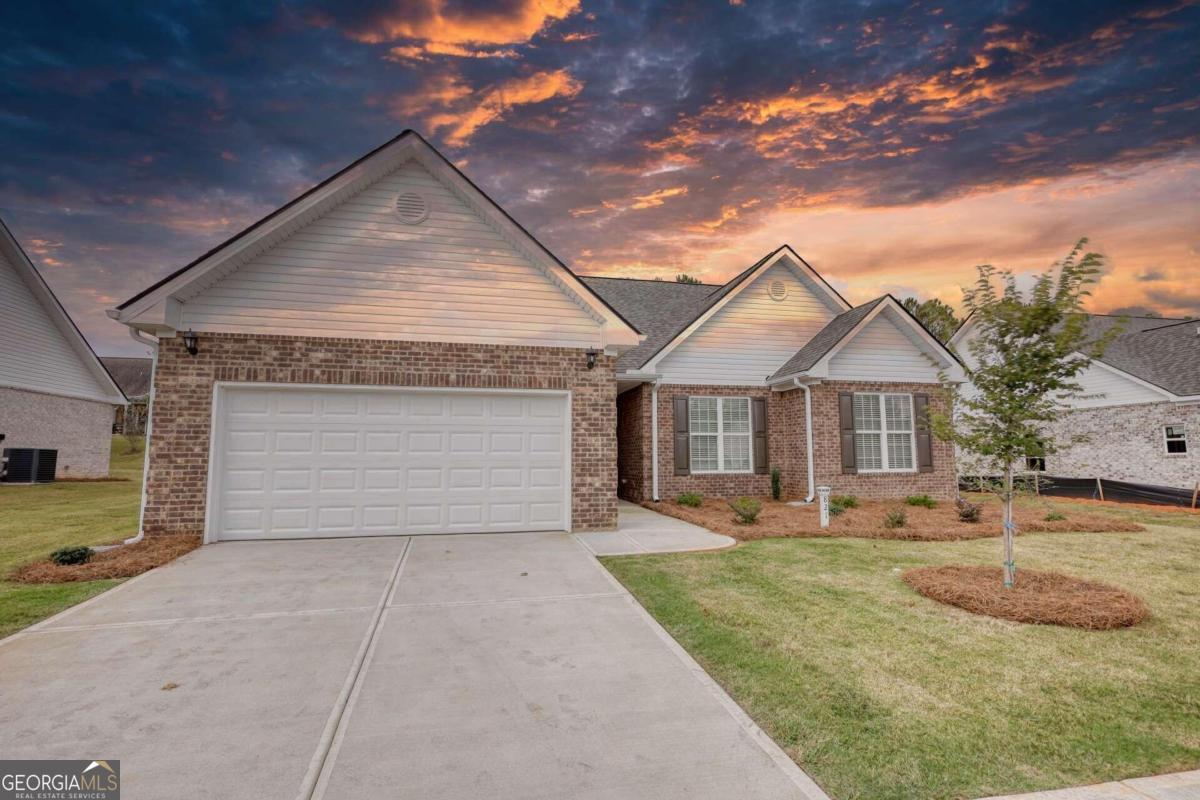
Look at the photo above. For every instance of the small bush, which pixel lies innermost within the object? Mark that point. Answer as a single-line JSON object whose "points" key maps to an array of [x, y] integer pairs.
{"points": [[896, 518], [690, 499], [844, 500], [67, 556], [920, 500], [747, 509], [835, 509], [776, 483], [969, 512], [1055, 516]]}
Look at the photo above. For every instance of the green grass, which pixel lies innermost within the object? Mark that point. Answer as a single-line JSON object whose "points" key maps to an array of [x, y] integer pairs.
{"points": [[36, 520], [880, 693]]}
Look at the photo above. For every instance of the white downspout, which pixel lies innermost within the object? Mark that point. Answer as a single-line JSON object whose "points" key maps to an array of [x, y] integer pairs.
{"points": [[808, 436], [654, 441], [138, 337]]}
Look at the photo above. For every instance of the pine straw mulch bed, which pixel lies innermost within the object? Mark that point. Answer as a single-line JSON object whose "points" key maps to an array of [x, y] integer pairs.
{"points": [[1040, 598], [940, 524], [120, 562]]}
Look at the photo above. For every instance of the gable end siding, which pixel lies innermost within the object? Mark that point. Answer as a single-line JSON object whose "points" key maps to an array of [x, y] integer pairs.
{"points": [[882, 352]]}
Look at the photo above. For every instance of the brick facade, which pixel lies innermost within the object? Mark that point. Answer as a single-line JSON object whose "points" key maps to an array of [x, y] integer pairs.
{"points": [[786, 446], [178, 470], [80, 430]]}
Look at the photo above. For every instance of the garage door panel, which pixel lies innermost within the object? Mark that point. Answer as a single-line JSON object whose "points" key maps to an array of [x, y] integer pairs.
{"points": [[296, 463]]}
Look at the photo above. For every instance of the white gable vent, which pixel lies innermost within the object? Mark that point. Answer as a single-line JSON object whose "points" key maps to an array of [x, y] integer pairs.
{"points": [[412, 208], [777, 291]]}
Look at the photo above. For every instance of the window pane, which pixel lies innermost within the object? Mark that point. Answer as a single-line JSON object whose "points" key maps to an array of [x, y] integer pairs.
{"points": [[900, 452], [737, 452], [899, 412], [866, 412], [867, 451], [1176, 446], [702, 414], [704, 453], [735, 414]]}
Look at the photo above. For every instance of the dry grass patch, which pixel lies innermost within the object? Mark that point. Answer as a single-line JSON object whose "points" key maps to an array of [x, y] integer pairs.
{"points": [[940, 524], [1040, 598], [120, 562]]}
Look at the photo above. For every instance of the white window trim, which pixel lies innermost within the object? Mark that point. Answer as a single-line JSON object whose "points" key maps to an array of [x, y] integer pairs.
{"points": [[720, 434], [884, 431], [1184, 439]]}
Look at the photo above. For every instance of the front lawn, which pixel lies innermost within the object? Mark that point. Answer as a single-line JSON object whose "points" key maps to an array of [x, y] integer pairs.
{"points": [[36, 520], [880, 693]]}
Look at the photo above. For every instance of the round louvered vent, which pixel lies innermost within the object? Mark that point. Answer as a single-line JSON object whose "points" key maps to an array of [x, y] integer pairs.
{"points": [[777, 290], [412, 208]]}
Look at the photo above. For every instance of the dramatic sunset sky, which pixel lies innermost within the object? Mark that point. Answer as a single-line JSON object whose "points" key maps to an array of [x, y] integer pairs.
{"points": [[895, 145]]}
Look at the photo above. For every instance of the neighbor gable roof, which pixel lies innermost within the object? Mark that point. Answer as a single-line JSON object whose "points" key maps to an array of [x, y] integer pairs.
{"points": [[106, 388], [131, 374], [813, 359], [156, 309]]}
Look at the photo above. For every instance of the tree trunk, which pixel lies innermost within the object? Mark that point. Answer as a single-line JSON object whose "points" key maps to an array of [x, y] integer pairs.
{"points": [[1010, 567]]}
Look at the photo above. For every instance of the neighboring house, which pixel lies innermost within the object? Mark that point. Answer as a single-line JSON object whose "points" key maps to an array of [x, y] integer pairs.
{"points": [[1139, 409], [392, 353], [133, 376], [54, 393]]}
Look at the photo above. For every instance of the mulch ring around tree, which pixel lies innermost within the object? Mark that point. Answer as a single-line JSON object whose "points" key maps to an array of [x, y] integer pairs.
{"points": [[1039, 598], [119, 562]]}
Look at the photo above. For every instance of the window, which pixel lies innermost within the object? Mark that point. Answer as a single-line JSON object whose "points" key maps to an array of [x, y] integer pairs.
{"points": [[1176, 437], [719, 428], [883, 433]]}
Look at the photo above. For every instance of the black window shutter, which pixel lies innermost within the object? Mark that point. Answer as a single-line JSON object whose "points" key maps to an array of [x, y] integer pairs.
{"points": [[924, 435], [683, 449], [758, 417], [846, 426]]}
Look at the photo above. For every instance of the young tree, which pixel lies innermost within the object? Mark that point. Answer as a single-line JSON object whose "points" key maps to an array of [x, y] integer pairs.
{"points": [[683, 277], [935, 315], [1027, 350]]}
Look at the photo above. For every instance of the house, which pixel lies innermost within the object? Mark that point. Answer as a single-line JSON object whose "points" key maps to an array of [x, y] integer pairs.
{"points": [[1139, 408], [391, 353], [133, 376], [54, 393]]}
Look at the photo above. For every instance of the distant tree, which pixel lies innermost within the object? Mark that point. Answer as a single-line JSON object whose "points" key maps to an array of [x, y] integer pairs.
{"points": [[935, 315], [683, 277], [1028, 350]]}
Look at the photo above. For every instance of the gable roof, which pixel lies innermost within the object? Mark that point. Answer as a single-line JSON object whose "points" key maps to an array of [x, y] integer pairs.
{"points": [[826, 339], [108, 391], [659, 309], [619, 332], [131, 374]]}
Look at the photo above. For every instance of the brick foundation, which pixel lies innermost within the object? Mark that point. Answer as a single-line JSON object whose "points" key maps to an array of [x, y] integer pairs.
{"points": [[178, 470]]}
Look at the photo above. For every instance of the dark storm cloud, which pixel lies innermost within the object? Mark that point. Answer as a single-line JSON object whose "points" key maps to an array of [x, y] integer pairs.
{"points": [[136, 136]]}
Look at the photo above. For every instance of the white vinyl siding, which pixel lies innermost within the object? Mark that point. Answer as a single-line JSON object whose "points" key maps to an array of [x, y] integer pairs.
{"points": [[881, 351], [1103, 387], [34, 352], [753, 335], [883, 433], [360, 272], [720, 435]]}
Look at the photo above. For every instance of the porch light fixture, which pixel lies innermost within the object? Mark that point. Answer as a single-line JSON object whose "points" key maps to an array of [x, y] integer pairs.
{"points": [[591, 358], [190, 340]]}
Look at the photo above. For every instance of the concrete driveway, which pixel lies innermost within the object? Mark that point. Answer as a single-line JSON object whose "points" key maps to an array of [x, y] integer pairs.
{"points": [[497, 666]]}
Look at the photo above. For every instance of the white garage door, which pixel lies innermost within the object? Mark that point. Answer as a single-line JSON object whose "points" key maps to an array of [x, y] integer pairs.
{"points": [[352, 462]]}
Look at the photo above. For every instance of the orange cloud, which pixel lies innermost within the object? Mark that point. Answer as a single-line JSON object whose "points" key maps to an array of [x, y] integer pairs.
{"points": [[422, 52], [657, 197]]}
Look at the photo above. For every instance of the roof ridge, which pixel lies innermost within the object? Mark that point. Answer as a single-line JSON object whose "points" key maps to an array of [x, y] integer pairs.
{"points": [[646, 280]]}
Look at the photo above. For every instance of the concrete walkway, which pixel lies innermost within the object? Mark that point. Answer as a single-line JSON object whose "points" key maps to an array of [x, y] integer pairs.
{"points": [[499, 666], [1176, 786], [641, 530]]}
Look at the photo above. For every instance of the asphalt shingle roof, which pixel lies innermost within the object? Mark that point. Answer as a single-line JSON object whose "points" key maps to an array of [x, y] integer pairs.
{"points": [[1163, 352], [131, 374], [826, 339], [659, 309]]}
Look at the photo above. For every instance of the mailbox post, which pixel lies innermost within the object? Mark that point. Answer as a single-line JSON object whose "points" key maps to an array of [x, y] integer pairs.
{"points": [[823, 496]]}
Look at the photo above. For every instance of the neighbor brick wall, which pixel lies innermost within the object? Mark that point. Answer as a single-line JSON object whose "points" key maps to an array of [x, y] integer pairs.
{"points": [[942, 483], [182, 413], [80, 430], [1125, 443]]}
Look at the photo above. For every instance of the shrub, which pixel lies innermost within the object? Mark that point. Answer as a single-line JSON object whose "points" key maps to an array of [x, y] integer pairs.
{"points": [[690, 499], [776, 483], [747, 509], [969, 512], [1055, 516], [835, 509], [921, 500], [844, 500], [896, 518], [67, 556]]}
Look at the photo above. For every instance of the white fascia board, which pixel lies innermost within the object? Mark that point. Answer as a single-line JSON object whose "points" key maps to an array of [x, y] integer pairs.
{"points": [[796, 263]]}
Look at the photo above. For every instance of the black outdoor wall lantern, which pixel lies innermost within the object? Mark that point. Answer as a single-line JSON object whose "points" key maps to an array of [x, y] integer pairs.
{"points": [[190, 340]]}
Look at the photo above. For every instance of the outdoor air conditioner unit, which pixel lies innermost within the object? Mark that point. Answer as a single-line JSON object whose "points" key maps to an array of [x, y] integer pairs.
{"points": [[28, 465]]}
